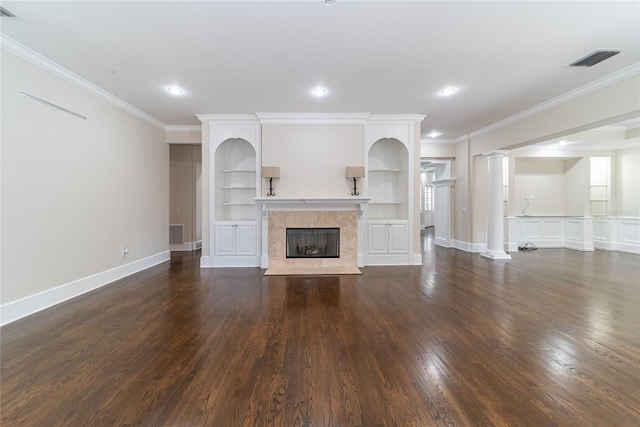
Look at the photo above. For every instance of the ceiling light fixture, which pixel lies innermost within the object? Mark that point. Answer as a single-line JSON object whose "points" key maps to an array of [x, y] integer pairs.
{"points": [[448, 91], [319, 91], [175, 90], [329, 2], [433, 134]]}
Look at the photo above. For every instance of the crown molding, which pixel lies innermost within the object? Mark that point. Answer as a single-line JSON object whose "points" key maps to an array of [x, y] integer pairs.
{"points": [[313, 118], [396, 118], [183, 128], [46, 64], [439, 141], [627, 72], [228, 118]]}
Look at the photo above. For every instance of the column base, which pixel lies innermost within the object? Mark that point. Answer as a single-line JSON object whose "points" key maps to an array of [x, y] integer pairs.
{"points": [[496, 255]]}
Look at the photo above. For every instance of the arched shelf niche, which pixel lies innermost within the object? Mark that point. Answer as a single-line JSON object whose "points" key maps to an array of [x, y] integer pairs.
{"points": [[235, 180], [387, 179]]}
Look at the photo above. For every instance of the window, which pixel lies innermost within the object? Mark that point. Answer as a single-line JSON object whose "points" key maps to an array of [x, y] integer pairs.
{"points": [[600, 181], [428, 198]]}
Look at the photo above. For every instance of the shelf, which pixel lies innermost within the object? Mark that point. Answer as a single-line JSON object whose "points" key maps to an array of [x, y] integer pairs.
{"points": [[385, 203], [237, 170], [237, 187]]}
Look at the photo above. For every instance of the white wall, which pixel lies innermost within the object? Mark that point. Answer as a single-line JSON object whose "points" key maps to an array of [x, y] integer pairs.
{"points": [[312, 157], [576, 187], [75, 192], [543, 179], [462, 205], [432, 149], [627, 178]]}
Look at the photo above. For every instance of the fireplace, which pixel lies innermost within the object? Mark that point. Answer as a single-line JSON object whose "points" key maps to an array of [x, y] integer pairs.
{"points": [[313, 242], [343, 214]]}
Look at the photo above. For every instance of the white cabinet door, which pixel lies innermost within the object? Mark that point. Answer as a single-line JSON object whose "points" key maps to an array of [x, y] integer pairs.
{"points": [[397, 237], [235, 238], [388, 237], [377, 237], [245, 238], [225, 238]]}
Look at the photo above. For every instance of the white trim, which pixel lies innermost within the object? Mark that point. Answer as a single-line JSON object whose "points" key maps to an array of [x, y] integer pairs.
{"points": [[495, 255], [438, 141], [35, 58], [229, 119], [313, 118], [205, 262], [14, 310], [417, 259], [234, 261], [627, 72], [444, 242], [183, 128], [469, 247], [186, 246], [387, 259], [399, 119]]}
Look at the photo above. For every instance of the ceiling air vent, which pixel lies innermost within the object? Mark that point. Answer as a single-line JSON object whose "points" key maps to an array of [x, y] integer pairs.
{"points": [[594, 58], [4, 13]]}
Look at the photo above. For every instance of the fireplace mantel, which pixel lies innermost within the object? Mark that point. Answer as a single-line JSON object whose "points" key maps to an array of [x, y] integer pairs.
{"points": [[312, 203], [301, 201]]}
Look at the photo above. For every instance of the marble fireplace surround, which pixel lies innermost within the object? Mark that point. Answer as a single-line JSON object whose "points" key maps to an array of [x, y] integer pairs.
{"points": [[278, 214]]}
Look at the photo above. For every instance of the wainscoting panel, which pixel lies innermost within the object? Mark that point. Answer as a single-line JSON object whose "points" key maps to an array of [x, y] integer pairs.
{"points": [[579, 233]]}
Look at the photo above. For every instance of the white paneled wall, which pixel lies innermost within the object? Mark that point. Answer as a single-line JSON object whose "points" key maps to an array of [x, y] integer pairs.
{"points": [[579, 233]]}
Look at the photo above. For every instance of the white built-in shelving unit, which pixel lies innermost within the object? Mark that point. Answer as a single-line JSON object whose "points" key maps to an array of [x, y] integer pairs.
{"points": [[234, 183], [391, 165]]}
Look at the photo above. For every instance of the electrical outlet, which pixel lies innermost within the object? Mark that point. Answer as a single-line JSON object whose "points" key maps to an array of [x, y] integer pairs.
{"points": [[125, 251]]}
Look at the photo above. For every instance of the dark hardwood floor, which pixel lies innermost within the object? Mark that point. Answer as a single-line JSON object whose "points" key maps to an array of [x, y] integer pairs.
{"points": [[549, 338]]}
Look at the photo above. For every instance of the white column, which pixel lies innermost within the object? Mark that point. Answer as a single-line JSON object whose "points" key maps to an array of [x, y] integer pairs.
{"points": [[495, 209]]}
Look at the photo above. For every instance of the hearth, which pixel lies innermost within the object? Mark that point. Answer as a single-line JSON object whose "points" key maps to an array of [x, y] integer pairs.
{"points": [[313, 242]]}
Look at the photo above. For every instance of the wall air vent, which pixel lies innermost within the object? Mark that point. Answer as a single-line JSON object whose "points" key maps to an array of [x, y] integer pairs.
{"points": [[594, 58], [4, 13], [176, 234]]}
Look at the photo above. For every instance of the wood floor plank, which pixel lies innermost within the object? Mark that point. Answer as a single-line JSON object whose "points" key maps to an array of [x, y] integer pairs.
{"points": [[551, 338]]}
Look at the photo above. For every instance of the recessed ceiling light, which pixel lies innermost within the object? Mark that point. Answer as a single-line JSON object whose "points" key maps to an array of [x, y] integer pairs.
{"points": [[448, 91], [319, 91], [175, 90], [329, 2], [433, 134]]}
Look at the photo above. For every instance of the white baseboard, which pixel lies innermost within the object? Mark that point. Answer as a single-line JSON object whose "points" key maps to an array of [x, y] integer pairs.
{"points": [[14, 310], [387, 259], [469, 247], [186, 246], [417, 259], [235, 261], [445, 243]]}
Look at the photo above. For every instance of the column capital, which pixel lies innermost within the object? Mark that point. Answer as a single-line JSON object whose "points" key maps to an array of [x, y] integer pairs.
{"points": [[495, 154]]}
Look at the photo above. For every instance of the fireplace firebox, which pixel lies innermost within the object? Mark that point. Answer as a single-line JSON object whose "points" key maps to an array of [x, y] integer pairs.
{"points": [[313, 243]]}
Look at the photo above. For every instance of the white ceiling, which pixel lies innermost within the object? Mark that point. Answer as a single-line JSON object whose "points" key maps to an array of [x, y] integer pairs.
{"points": [[381, 57]]}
